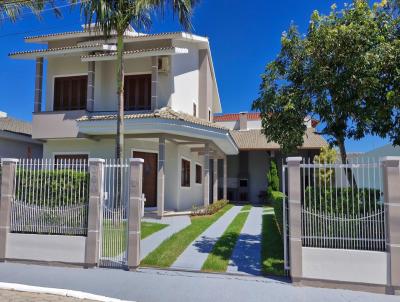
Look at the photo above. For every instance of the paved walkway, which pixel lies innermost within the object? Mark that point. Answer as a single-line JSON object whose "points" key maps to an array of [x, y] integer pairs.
{"points": [[175, 224], [196, 254], [149, 285], [246, 257]]}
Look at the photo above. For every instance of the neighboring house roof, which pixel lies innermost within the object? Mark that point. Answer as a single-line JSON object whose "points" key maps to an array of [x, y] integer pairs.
{"points": [[15, 126], [254, 140], [164, 113], [236, 116]]}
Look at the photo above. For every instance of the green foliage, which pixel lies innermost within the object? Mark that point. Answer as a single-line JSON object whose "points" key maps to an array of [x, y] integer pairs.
{"points": [[272, 179], [277, 203], [326, 176], [48, 188], [343, 72], [14, 9], [346, 200], [210, 209]]}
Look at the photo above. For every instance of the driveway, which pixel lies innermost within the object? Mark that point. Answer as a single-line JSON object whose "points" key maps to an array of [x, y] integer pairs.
{"points": [[149, 285]]}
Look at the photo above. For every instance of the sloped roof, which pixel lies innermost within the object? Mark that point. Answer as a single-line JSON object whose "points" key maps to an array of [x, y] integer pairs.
{"points": [[236, 116], [15, 126], [164, 113], [254, 140]]}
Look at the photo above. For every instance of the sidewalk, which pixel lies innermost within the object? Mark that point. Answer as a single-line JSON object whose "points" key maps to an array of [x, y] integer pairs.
{"points": [[16, 296], [149, 285]]}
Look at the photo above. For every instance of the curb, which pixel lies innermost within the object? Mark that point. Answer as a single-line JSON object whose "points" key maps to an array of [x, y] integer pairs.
{"points": [[58, 292]]}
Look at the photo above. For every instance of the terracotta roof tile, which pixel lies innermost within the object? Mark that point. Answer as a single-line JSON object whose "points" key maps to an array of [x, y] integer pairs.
{"points": [[164, 113], [236, 116], [55, 49], [15, 126], [254, 139], [106, 54]]}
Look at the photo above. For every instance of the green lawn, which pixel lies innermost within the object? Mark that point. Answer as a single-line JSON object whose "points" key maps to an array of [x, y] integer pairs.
{"points": [[170, 249], [218, 259], [271, 246], [114, 236]]}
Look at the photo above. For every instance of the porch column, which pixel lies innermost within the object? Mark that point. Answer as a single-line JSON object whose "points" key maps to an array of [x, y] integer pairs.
{"points": [[154, 82], [206, 180], [90, 86], [294, 200], [7, 195], [225, 178], [161, 176], [215, 180], [38, 85], [391, 180]]}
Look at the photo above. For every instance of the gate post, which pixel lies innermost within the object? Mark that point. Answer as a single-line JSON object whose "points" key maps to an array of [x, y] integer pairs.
{"points": [[134, 212], [294, 201], [391, 181], [7, 192], [96, 184]]}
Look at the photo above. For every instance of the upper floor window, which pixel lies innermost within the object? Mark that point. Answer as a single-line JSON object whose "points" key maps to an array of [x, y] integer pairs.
{"points": [[137, 90], [70, 93], [194, 109]]}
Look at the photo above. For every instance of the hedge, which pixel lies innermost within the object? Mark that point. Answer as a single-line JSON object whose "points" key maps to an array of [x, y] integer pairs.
{"points": [[50, 187], [277, 203]]}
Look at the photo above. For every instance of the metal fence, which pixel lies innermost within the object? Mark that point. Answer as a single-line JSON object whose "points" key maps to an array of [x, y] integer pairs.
{"points": [[342, 205], [51, 197], [114, 228]]}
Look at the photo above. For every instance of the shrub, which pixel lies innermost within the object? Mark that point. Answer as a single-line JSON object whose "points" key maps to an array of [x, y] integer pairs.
{"points": [[49, 187], [210, 209], [277, 202], [273, 180]]}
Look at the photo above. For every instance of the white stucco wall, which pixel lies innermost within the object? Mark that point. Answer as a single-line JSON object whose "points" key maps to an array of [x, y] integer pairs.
{"points": [[185, 73], [176, 197], [345, 265]]}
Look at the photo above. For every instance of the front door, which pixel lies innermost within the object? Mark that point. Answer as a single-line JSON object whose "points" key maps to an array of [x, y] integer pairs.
{"points": [[149, 177]]}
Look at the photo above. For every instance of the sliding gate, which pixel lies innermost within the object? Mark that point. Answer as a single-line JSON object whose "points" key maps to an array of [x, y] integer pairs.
{"points": [[114, 215]]}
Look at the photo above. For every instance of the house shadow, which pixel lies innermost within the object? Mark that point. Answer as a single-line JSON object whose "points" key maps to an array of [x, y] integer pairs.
{"points": [[247, 254], [205, 244]]}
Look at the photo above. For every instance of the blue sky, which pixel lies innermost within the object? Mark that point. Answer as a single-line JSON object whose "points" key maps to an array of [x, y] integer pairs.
{"points": [[244, 36]]}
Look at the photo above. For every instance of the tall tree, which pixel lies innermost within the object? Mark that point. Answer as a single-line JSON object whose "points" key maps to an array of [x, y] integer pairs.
{"points": [[13, 9], [343, 72], [115, 16]]}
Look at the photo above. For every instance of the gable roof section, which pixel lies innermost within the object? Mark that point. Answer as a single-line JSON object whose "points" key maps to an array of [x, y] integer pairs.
{"points": [[255, 140], [236, 116], [164, 113], [15, 126]]}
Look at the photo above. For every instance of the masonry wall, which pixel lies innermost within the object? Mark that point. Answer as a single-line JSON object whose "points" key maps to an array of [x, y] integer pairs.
{"points": [[18, 149]]}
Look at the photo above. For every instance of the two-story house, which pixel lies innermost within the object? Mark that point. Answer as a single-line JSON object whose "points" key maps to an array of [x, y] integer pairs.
{"points": [[171, 96]]}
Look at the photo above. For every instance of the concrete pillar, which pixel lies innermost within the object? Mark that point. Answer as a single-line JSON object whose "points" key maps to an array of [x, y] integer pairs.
{"points": [[294, 198], [215, 180], [161, 176], [90, 86], [7, 195], [154, 82], [206, 181], [96, 185], [38, 85], [391, 193], [134, 212], [225, 189]]}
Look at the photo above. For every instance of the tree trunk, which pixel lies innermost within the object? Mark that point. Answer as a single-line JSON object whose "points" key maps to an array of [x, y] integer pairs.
{"points": [[349, 173], [119, 146]]}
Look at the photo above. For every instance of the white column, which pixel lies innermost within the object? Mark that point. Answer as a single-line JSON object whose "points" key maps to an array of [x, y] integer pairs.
{"points": [[90, 86], [206, 180], [154, 82], [38, 85], [161, 176], [225, 178], [215, 180]]}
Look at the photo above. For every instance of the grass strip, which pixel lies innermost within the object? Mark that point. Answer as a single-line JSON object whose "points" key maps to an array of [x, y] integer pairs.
{"points": [[114, 235], [271, 247], [246, 208], [218, 259], [170, 249]]}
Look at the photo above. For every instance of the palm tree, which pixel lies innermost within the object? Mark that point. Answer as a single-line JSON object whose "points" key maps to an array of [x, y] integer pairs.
{"points": [[115, 17], [13, 9]]}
